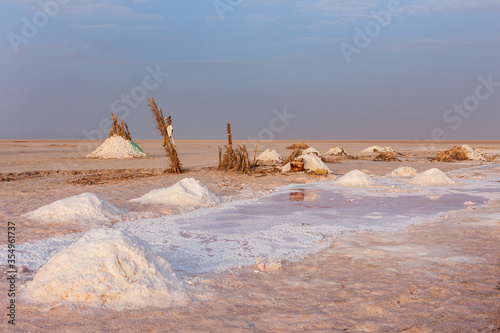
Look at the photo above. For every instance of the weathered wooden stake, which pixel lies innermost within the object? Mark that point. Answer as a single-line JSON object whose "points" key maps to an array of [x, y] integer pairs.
{"points": [[229, 137], [220, 157]]}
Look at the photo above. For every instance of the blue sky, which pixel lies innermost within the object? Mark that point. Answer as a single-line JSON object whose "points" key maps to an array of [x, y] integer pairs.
{"points": [[318, 69]]}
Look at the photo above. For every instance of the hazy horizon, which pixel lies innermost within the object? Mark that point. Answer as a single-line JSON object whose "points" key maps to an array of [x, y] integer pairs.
{"points": [[316, 70]]}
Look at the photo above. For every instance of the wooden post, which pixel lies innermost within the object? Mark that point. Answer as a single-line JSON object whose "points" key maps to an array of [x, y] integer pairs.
{"points": [[220, 157], [229, 137]]}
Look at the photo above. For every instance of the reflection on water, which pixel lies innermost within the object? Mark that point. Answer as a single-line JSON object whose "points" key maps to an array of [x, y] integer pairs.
{"points": [[303, 195], [297, 196]]}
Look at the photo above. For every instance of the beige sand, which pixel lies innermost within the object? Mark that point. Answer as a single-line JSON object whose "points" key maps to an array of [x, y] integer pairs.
{"points": [[440, 276]]}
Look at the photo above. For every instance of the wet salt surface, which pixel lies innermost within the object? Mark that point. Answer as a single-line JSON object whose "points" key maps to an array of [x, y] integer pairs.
{"points": [[294, 221]]}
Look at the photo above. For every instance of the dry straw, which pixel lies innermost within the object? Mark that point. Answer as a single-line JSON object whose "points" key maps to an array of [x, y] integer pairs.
{"points": [[235, 159], [175, 164]]}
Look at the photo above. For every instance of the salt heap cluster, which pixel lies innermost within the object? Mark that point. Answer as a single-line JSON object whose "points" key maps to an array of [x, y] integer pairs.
{"points": [[378, 149], [432, 177], [107, 268], [337, 151], [117, 147], [355, 178], [86, 208], [187, 192], [404, 172], [269, 155]]}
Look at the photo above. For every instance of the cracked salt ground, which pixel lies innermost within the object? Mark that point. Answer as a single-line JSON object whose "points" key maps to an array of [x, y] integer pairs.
{"points": [[294, 221]]}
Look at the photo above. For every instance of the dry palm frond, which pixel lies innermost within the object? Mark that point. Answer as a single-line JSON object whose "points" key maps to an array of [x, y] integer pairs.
{"points": [[119, 129], [295, 153], [235, 159], [175, 164]]}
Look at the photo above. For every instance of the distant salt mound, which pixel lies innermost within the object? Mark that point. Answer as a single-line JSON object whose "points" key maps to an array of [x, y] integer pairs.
{"points": [[463, 153], [311, 150], [404, 172], [269, 155], [107, 268], [432, 177], [117, 147], [337, 151], [356, 178], [378, 149], [187, 192], [475, 154], [84, 209]]}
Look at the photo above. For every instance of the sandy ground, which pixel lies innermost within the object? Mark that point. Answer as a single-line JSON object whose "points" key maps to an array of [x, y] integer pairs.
{"points": [[439, 276]]}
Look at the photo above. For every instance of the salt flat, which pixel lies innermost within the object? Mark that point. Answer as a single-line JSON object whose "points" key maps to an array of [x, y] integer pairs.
{"points": [[424, 259]]}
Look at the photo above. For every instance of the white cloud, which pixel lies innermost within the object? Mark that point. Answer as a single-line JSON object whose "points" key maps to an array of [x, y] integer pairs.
{"points": [[345, 11]]}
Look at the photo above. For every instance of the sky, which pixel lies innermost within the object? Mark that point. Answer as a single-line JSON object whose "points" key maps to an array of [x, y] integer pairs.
{"points": [[274, 69]]}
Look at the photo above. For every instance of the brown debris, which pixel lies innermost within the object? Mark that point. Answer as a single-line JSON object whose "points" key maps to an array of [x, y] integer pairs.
{"points": [[454, 154], [297, 164], [112, 176], [301, 145], [295, 153], [386, 157]]}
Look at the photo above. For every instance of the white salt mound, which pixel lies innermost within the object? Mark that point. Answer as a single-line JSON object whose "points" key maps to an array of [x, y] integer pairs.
{"points": [[378, 149], [269, 155], [311, 150], [432, 177], [337, 151], [188, 191], [355, 178], [107, 268], [313, 163], [83, 209], [404, 172], [117, 147]]}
